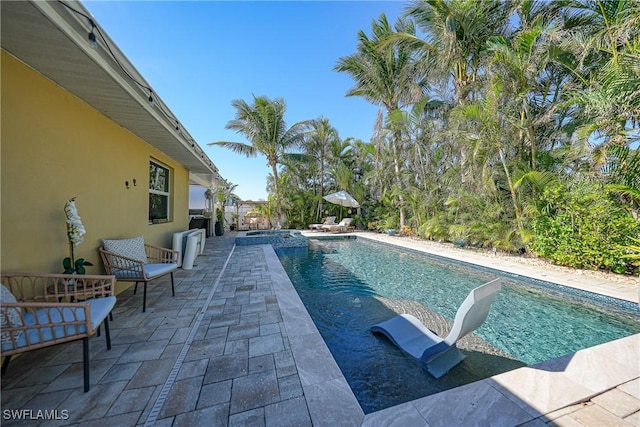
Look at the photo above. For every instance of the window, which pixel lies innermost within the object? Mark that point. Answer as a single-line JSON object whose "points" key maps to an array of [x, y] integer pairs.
{"points": [[158, 192]]}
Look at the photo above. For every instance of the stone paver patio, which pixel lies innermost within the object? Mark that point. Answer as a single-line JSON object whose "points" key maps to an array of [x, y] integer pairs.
{"points": [[236, 347]]}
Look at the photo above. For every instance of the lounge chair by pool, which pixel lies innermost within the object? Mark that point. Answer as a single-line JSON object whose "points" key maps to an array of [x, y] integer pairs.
{"points": [[330, 220], [341, 227], [438, 354]]}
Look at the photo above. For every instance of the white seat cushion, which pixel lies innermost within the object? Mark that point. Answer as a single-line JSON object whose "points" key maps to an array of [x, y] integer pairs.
{"points": [[100, 308], [154, 270], [151, 270]]}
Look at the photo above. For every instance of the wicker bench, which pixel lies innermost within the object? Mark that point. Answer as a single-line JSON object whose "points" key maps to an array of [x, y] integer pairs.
{"points": [[41, 310]]}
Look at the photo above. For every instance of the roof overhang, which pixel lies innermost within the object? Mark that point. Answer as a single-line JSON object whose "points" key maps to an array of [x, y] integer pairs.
{"points": [[53, 39]]}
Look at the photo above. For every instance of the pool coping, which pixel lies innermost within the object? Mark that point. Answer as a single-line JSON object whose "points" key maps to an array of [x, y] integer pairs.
{"points": [[329, 397], [511, 398]]}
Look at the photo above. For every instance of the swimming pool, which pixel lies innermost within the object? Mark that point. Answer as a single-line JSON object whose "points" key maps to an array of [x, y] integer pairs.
{"points": [[349, 285]]}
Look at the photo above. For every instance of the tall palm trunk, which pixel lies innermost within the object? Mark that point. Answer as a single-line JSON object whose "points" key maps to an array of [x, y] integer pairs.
{"points": [[274, 170], [512, 190], [396, 170], [320, 204]]}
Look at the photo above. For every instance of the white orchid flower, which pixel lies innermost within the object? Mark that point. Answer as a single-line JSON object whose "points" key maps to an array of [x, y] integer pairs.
{"points": [[75, 228]]}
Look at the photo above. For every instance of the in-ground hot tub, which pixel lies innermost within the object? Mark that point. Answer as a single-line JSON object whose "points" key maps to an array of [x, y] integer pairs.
{"points": [[277, 238]]}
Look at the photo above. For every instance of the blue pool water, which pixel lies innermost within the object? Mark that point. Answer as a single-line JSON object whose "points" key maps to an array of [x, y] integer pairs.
{"points": [[339, 282]]}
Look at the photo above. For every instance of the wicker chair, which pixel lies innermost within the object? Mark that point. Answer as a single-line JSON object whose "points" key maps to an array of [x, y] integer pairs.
{"points": [[155, 263], [41, 310]]}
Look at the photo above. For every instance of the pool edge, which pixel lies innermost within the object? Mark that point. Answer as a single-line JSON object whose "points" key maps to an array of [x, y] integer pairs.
{"points": [[329, 397]]}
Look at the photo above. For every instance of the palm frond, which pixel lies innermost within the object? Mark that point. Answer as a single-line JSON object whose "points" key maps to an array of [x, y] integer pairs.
{"points": [[237, 147]]}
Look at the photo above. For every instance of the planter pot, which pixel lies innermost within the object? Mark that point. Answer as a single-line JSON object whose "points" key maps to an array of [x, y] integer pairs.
{"points": [[218, 229], [460, 243], [391, 232]]}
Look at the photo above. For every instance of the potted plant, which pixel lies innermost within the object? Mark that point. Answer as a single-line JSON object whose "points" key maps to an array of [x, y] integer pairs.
{"points": [[234, 222], [219, 229], [389, 225], [75, 231], [160, 220]]}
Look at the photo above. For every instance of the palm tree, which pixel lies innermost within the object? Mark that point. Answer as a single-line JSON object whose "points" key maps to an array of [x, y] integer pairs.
{"points": [[607, 46], [264, 126], [456, 35], [387, 75], [455, 46], [418, 133], [622, 173], [225, 192], [317, 145], [521, 64], [490, 136]]}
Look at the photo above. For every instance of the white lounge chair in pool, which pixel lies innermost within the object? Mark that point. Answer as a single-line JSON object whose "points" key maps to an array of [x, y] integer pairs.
{"points": [[330, 220], [438, 354]]}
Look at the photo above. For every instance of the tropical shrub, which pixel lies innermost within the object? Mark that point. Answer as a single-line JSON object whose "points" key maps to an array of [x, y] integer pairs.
{"points": [[357, 221], [583, 228], [389, 222], [407, 231], [373, 226], [435, 228], [633, 252]]}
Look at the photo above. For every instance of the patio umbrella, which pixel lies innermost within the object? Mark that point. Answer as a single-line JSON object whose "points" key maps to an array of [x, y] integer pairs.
{"points": [[342, 198]]}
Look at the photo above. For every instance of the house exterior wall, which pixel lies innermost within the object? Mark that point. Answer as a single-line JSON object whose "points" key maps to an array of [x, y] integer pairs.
{"points": [[55, 147]]}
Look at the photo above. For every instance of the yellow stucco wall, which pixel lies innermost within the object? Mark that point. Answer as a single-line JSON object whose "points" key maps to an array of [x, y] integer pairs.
{"points": [[54, 147]]}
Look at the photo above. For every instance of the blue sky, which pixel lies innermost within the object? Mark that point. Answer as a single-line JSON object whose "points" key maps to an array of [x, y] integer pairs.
{"points": [[199, 56]]}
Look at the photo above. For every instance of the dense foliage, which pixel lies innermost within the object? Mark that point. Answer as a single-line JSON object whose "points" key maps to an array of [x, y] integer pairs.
{"points": [[580, 228], [507, 124]]}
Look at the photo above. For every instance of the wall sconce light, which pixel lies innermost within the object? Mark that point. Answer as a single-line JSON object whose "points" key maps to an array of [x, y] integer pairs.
{"points": [[135, 184], [126, 184]]}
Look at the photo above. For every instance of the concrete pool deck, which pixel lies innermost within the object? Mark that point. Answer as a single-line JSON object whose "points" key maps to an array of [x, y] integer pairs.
{"points": [[236, 347]]}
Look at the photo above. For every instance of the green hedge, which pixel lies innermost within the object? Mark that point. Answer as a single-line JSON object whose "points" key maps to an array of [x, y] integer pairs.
{"points": [[583, 227]]}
